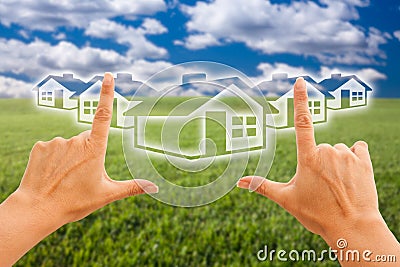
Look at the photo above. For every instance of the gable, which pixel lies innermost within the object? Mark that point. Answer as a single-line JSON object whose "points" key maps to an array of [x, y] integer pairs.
{"points": [[311, 91], [51, 85], [352, 85], [232, 99], [93, 90]]}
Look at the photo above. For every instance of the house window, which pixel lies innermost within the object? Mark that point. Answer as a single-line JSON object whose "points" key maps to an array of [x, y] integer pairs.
{"points": [[357, 96], [47, 96], [315, 107], [244, 126], [89, 107]]}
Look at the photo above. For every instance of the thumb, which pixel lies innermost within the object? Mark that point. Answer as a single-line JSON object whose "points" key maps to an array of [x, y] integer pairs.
{"points": [[270, 189], [124, 189]]}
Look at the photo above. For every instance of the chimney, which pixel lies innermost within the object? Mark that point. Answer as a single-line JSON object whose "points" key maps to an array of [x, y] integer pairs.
{"points": [[69, 76], [279, 76], [124, 77], [336, 75], [193, 77]]}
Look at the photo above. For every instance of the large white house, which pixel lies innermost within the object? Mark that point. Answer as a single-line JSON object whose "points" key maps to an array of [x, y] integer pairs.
{"points": [[229, 122]]}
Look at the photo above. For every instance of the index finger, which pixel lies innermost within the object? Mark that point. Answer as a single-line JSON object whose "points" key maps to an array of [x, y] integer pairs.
{"points": [[303, 120], [103, 116]]}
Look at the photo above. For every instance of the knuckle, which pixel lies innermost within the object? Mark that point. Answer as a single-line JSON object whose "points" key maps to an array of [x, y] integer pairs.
{"points": [[303, 120], [361, 144], [340, 145], [133, 189], [103, 114], [58, 141], [350, 158], [326, 148], [308, 159], [301, 96], [90, 148], [40, 145], [262, 189]]}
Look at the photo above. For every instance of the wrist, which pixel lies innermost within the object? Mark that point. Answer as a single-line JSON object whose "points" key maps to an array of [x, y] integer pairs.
{"points": [[356, 229], [24, 223], [44, 219]]}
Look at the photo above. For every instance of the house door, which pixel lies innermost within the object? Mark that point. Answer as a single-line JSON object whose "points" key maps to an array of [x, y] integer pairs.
{"points": [[114, 120], [345, 98], [58, 99], [290, 112], [216, 131]]}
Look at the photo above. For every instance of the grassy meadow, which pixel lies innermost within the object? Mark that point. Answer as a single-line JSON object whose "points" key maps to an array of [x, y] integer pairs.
{"points": [[141, 231]]}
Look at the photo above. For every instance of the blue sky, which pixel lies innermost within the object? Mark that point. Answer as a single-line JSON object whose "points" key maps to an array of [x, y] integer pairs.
{"points": [[258, 37]]}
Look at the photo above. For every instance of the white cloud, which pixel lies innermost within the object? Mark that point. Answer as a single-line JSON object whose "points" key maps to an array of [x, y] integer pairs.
{"points": [[59, 36], [153, 26], [268, 69], [198, 41], [38, 58], [12, 88], [48, 15], [302, 27], [360, 3], [368, 75], [139, 46], [142, 69], [397, 34], [24, 34]]}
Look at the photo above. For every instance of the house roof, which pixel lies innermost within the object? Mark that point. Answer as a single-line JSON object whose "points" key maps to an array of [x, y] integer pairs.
{"points": [[72, 84], [184, 105], [335, 82], [284, 85], [178, 106], [124, 87], [228, 81]]}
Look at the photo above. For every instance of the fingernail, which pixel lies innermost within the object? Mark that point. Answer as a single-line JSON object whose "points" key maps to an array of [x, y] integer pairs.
{"points": [[243, 184], [147, 186], [107, 80]]}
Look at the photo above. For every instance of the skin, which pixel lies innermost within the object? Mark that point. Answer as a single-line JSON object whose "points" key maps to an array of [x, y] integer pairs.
{"points": [[333, 192], [65, 181]]}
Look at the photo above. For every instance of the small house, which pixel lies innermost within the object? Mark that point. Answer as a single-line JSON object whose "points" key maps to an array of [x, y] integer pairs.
{"points": [[59, 91], [347, 91], [282, 115], [125, 87]]}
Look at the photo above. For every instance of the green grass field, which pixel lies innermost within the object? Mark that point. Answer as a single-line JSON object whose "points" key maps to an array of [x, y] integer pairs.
{"points": [[141, 231]]}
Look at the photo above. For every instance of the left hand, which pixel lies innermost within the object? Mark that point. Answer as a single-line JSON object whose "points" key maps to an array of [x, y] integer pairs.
{"points": [[67, 178]]}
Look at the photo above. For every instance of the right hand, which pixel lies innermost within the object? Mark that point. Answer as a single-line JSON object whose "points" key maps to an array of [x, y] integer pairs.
{"points": [[333, 187]]}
